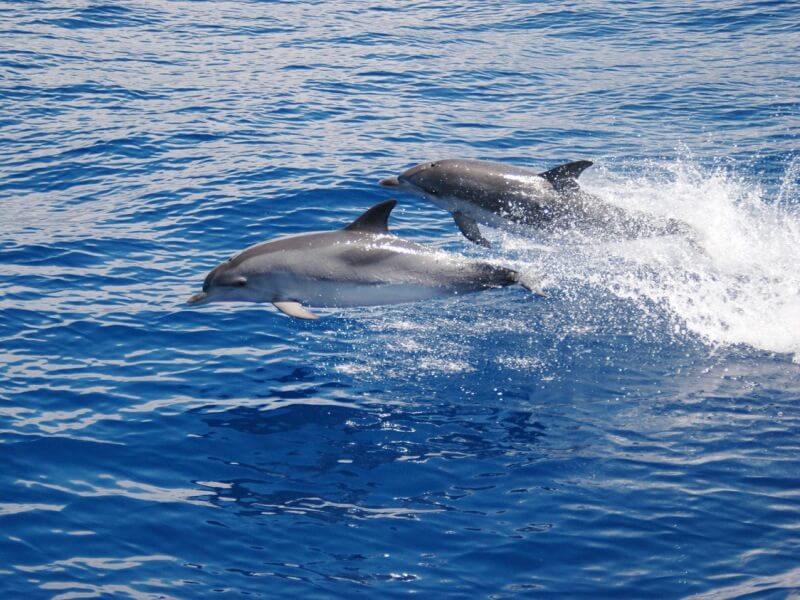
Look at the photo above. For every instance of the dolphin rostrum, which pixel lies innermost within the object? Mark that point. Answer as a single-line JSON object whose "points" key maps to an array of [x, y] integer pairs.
{"points": [[361, 265], [504, 196]]}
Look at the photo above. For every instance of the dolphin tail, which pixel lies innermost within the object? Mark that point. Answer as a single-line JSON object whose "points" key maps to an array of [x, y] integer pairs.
{"points": [[529, 282]]}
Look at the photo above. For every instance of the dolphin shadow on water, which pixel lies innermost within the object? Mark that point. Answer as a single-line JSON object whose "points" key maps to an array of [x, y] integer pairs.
{"points": [[361, 265], [497, 195]]}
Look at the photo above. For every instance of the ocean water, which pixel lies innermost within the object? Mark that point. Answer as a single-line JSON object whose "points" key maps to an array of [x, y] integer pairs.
{"points": [[635, 434]]}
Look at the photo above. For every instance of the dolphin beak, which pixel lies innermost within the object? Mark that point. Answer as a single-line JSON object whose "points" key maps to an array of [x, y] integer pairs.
{"points": [[198, 298], [390, 182]]}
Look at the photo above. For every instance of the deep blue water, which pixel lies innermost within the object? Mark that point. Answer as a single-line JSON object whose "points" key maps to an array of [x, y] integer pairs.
{"points": [[636, 434]]}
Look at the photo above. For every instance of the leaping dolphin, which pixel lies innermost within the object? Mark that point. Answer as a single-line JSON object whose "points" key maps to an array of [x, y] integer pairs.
{"points": [[361, 265], [504, 196]]}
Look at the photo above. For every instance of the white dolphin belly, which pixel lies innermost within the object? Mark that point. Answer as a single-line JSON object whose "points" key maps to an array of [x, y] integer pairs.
{"points": [[343, 294]]}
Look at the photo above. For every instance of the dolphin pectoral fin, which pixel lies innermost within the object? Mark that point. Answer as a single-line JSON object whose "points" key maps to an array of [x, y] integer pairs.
{"points": [[564, 177], [295, 309], [470, 229]]}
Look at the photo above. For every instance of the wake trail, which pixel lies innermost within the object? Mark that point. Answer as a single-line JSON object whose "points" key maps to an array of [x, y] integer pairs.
{"points": [[734, 280]]}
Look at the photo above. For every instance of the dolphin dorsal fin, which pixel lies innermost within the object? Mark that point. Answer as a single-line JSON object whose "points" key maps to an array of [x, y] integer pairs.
{"points": [[375, 220], [563, 177]]}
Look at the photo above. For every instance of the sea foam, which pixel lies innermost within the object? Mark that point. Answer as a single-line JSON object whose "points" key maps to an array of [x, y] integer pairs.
{"points": [[736, 280]]}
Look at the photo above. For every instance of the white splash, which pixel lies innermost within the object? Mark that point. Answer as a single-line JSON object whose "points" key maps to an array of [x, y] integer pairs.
{"points": [[736, 282]]}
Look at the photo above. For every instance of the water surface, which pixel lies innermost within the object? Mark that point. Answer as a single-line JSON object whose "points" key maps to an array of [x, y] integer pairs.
{"points": [[634, 434]]}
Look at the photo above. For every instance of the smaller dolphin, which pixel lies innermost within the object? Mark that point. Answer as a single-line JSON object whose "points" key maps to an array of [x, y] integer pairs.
{"points": [[508, 197], [360, 265]]}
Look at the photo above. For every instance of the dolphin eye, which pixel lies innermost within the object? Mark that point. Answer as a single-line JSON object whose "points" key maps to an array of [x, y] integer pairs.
{"points": [[236, 282], [433, 165]]}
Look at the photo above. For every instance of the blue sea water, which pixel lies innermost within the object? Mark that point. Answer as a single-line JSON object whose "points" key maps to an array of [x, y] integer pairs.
{"points": [[635, 434]]}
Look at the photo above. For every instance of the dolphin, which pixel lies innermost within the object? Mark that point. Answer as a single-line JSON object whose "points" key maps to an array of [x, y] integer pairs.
{"points": [[361, 265], [508, 197]]}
